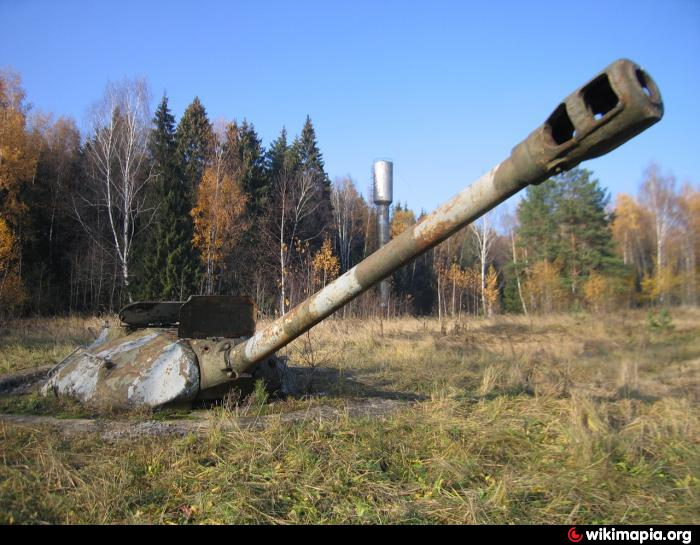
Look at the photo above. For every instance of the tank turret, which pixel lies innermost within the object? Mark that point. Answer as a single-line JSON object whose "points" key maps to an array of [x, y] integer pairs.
{"points": [[178, 352]]}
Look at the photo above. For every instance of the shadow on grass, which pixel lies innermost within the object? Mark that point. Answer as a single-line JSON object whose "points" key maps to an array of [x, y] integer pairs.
{"points": [[345, 384], [635, 394], [506, 328]]}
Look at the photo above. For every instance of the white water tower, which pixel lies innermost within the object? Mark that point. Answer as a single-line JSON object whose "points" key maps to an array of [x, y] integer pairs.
{"points": [[383, 174]]}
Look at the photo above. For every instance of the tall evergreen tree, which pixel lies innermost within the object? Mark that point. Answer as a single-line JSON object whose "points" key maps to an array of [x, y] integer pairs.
{"points": [[564, 220], [277, 154], [308, 161], [246, 160], [194, 142], [169, 264], [538, 230], [585, 237]]}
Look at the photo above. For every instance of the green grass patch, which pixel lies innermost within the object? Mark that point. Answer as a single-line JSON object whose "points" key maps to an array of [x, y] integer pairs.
{"points": [[36, 404]]}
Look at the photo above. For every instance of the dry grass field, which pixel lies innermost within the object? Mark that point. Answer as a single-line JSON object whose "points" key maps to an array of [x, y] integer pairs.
{"points": [[578, 418]]}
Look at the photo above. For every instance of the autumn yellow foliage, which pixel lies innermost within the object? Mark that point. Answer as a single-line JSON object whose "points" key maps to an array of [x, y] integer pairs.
{"points": [[543, 287], [326, 265], [662, 286], [18, 153], [597, 292], [11, 291], [219, 218], [491, 291], [18, 159], [401, 220]]}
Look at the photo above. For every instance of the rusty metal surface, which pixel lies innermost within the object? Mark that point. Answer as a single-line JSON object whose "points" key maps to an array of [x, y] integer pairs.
{"points": [[150, 367], [151, 313], [217, 316], [614, 106], [213, 357], [199, 317]]}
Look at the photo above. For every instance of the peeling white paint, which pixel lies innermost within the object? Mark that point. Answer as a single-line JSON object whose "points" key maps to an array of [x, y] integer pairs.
{"points": [[80, 383], [101, 339], [334, 293], [130, 372], [126, 346], [457, 210], [173, 375]]}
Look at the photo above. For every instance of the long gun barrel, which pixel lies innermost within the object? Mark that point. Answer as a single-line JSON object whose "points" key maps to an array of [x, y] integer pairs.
{"points": [[613, 107]]}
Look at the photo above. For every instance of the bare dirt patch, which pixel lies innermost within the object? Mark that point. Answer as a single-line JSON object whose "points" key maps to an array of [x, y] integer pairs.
{"points": [[198, 422]]}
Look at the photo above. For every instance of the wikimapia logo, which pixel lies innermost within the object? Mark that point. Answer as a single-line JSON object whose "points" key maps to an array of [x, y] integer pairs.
{"points": [[573, 536], [637, 536]]}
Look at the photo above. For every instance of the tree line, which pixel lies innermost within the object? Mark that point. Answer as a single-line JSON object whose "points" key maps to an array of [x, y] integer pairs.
{"points": [[145, 207]]}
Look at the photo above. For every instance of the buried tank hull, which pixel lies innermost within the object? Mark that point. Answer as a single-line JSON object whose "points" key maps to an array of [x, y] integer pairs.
{"points": [[148, 367], [153, 367]]}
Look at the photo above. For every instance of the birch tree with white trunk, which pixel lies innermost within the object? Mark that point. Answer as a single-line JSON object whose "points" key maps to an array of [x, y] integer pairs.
{"points": [[509, 223], [347, 210], [294, 201], [119, 170], [658, 194], [484, 236]]}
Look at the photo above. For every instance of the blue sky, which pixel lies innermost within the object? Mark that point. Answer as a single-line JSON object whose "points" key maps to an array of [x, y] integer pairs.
{"points": [[444, 89]]}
